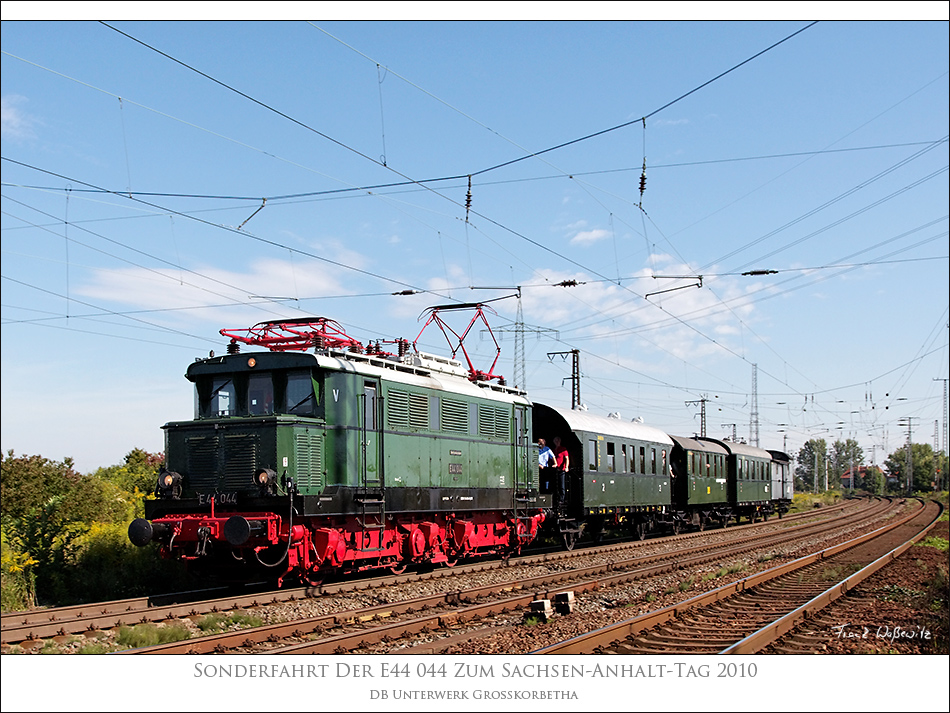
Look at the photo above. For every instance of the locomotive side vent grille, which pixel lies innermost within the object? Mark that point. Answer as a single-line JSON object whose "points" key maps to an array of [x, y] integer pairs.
{"points": [[408, 411], [502, 424], [202, 462], [309, 457], [240, 460], [419, 411], [454, 416], [494, 422], [398, 405]]}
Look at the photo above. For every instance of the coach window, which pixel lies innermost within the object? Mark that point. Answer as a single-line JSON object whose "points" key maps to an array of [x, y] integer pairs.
{"points": [[643, 460], [610, 457], [623, 455], [592, 454]]}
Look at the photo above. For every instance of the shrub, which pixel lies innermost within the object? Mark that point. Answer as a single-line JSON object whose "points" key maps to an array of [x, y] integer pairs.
{"points": [[102, 564], [17, 581]]}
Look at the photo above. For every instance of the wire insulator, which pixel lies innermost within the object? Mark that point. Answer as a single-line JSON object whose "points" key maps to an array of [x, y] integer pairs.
{"points": [[468, 199]]}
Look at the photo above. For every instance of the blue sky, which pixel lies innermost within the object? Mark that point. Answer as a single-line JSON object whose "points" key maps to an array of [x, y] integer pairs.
{"points": [[131, 181]]}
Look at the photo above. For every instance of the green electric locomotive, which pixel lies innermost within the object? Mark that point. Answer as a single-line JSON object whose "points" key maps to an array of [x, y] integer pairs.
{"points": [[342, 458]]}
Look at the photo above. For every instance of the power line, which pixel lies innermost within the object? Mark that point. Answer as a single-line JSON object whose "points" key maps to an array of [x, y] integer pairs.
{"points": [[645, 116]]}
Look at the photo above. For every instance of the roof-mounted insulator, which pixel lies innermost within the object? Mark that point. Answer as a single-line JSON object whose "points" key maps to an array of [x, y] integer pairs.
{"points": [[468, 198]]}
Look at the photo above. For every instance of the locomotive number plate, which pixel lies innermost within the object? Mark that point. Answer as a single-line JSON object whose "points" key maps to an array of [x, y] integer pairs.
{"points": [[219, 498], [455, 468]]}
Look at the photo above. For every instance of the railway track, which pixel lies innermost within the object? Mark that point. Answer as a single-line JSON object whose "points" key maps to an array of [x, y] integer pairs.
{"points": [[394, 625], [33, 627], [746, 616], [37, 625]]}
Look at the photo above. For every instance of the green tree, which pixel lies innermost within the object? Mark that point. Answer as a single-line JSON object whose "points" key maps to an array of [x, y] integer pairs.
{"points": [[924, 463], [810, 468], [844, 455], [48, 508], [874, 480], [136, 476], [28, 482]]}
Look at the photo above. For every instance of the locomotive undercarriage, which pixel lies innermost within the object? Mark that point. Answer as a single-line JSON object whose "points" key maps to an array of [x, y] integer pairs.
{"points": [[289, 544]]}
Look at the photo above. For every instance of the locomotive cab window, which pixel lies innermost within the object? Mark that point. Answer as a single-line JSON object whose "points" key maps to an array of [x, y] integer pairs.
{"points": [[302, 395], [223, 399], [260, 395]]}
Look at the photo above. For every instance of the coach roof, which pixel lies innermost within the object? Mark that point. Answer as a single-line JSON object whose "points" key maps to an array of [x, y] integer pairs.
{"points": [[585, 421]]}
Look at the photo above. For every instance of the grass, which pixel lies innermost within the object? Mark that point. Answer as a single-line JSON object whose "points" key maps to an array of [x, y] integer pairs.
{"points": [[728, 569], [937, 542], [142, 635], [216, 623], [895, 592], [805, 502]]}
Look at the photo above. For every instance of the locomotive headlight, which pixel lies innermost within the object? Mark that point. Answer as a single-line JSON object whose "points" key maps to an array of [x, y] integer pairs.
{"points": [[169, 484], [265, 479]]}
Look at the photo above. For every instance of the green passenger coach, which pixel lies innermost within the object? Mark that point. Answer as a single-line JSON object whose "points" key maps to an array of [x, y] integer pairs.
{"points": [[619, 471]]}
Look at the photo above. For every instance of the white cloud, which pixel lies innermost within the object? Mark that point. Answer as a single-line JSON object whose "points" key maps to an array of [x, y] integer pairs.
{"points": [[14, 122], [586, 237], [198, 295]]}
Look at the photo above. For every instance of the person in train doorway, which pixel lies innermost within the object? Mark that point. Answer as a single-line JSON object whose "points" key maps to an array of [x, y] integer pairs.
{"points": [[563, 464], [546, 463]]}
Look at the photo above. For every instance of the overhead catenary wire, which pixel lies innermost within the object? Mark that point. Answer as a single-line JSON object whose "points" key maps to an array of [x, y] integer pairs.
{"points": [[447, 280]]}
